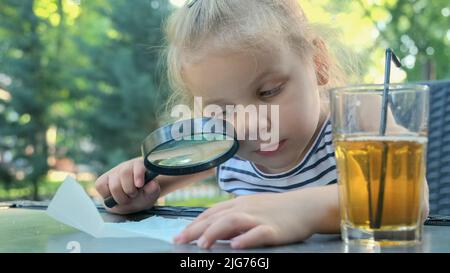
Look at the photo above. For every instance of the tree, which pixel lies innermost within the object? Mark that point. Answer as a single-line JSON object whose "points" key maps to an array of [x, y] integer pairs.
{"points": [[420, 31], [33, 85], [417, 30], [90, 70], [125, 88]]}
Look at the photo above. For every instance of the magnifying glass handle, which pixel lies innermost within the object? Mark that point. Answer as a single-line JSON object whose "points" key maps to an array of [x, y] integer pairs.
{"points": [[149, 176]]}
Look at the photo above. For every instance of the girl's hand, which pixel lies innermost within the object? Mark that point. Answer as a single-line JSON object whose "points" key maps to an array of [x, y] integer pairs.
{"points": [[125, 183], [252, 221]]}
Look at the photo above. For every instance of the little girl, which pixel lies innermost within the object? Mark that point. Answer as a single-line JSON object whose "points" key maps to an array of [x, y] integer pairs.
{"points": [[251, 52]]}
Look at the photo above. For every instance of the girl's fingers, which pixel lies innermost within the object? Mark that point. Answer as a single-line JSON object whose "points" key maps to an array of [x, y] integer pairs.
{"points": [[145, 199], [116, 189], [138, 173], [226, 227], [127, 182], [150, 192], [211, 218], [197, 227], [258, 236], [192, 232], [102, 187], [215, 209]]}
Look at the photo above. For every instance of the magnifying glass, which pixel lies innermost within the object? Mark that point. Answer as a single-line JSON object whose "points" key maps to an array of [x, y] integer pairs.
{"points": [[186, 147]]}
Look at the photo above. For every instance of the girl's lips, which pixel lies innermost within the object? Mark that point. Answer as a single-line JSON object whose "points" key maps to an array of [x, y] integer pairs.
{"points": [[272, 153]]}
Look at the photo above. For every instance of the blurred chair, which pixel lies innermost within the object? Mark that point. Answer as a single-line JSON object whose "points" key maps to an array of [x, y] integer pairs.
{"points": [[438, 157]]}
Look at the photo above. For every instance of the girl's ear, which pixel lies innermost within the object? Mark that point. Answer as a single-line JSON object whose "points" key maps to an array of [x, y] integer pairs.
{"points": [[321, 62]]}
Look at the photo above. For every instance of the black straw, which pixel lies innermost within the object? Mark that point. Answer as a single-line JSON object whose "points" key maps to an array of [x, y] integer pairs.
{"points": [[390, 56]]}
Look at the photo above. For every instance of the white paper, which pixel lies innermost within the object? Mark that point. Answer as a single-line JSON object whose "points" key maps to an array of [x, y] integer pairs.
{"points": [[72, 206]]}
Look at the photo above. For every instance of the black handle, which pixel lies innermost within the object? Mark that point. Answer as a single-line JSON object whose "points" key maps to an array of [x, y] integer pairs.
{"points": [[149, 176]]}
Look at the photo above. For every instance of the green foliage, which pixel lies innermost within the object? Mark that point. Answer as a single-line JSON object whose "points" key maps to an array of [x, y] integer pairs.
{"points": [[419, 30], [89, 70], [33, 85], [124, 80]]}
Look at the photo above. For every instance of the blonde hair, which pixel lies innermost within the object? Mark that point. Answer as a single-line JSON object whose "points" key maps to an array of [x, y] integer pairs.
{"points": [[239, 25]]}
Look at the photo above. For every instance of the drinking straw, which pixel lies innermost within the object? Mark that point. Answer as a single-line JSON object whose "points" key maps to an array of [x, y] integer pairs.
{"points": [[390, 56]]}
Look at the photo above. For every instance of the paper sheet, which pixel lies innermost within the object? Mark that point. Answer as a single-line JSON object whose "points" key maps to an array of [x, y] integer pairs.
{"points": [[72, 206]]}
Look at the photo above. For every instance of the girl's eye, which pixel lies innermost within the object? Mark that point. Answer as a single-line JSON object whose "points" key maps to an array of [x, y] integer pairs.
{"points": [[272, 92]]}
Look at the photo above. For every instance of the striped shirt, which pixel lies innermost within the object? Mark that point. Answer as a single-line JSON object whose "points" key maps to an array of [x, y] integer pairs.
{"points": [[318, 168]]}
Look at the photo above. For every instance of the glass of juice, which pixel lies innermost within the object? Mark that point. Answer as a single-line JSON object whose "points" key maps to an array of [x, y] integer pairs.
{"points": [[381, 173]]}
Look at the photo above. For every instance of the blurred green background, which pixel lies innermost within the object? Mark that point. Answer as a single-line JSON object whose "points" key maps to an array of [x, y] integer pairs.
{"points": [[82, 82]]}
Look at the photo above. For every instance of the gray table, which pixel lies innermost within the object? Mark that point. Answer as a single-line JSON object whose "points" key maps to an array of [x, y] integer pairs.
{"points": [[30, 229]]}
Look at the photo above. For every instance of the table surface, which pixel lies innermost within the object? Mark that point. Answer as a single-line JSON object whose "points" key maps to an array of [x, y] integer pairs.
{"points": [[30, 229]]}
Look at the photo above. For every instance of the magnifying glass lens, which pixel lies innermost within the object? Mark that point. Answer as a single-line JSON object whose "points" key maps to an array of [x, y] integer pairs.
{"points": [[194, 151]]}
